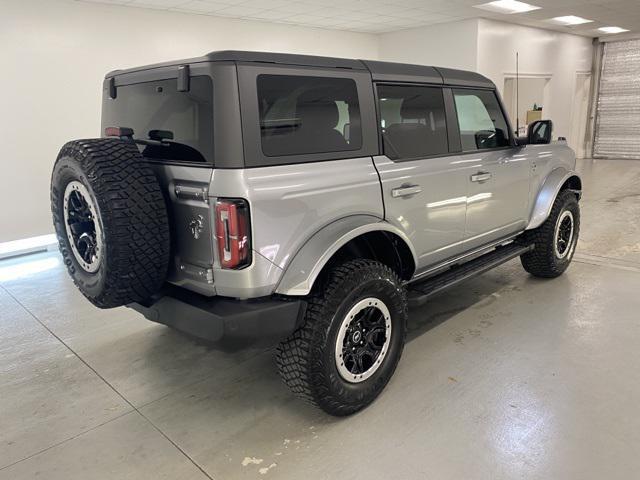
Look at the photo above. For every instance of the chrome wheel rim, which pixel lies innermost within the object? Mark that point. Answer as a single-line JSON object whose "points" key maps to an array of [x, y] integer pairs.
{"points": [[363, 340], [563, 237], [82, 226]]}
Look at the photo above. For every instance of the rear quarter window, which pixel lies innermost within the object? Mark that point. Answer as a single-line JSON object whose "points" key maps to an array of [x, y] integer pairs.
{"points": [[306, 115], [157, 110]]}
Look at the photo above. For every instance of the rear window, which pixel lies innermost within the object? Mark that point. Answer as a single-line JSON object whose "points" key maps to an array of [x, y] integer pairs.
{"points": [[158, 111], [304, 115]]}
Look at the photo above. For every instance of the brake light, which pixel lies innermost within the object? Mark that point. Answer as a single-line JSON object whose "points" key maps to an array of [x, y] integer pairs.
{"points": [[233, 233], [122, 132]]}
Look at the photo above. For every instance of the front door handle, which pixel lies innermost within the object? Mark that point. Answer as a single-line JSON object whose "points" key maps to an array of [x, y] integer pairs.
{"points": [[405, 190], [481, 177]]}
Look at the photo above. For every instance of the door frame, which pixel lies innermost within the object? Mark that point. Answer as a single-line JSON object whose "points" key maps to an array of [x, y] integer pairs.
{"points": [[545, 91], [580, 144]]}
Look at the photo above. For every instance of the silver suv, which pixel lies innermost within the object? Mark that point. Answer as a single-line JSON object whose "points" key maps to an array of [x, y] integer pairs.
{"points": [[259, 195]]}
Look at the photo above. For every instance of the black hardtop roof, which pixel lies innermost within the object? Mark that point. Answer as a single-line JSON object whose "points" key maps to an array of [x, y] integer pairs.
{"points": [[380, 71]]}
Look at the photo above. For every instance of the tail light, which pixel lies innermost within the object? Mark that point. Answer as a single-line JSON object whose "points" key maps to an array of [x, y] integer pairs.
{"points": [[233, 233]]}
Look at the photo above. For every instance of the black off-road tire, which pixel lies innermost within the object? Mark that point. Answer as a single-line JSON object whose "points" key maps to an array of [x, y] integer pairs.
{"points": [[306, 360], [543, 261], [132, 217]]}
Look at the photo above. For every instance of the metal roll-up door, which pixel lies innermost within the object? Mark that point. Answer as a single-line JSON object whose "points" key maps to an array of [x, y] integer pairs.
{"points": [[617, 133]]}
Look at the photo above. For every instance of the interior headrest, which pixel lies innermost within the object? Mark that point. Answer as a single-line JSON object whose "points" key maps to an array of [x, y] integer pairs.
{"points": [[412, 110], [317, 112]]}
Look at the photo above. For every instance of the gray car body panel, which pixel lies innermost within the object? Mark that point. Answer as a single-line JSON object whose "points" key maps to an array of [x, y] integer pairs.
{"points": [[192, 259], [436, 232], [289, 205], [552, 166], [304, 208], [499, 206], [310, 260], [433, 220]]}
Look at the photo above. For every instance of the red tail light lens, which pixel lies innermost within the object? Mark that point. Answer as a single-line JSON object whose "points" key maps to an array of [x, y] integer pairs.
{"points": [[233, 233], [118, 132]]}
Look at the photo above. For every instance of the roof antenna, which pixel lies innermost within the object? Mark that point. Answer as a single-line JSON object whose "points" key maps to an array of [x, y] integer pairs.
{"points": [[517, 97]]}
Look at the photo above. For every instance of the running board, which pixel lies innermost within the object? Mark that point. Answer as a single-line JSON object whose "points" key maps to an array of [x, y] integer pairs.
{"points": [[420, 292]]}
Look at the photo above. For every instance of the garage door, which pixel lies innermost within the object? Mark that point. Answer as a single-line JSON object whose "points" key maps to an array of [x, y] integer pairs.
{"points": [[618, 113]]}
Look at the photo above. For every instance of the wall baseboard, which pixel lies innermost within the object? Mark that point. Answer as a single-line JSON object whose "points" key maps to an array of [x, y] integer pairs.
{"points": [[27, 246]]}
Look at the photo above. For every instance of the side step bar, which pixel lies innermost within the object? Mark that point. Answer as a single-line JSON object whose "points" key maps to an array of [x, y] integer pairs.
{"points": [[420, 292]]}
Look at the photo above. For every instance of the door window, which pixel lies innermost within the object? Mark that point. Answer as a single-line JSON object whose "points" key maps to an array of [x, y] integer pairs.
{"points": [[304, 115], [481, 121], [412, 121]]}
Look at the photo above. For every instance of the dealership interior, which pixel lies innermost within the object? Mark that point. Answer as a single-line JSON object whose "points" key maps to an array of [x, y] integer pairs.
{"points": [[503, 375]]}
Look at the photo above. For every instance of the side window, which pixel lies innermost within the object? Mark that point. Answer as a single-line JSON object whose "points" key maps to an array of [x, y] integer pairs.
{"points": [[304, 115], [412, 121], [482, 123]]}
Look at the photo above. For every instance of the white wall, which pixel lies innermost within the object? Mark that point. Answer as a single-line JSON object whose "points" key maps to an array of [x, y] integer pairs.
{"points": [[489, 47], [452, 45], [531, 91], [541, 52], [54, 55]]}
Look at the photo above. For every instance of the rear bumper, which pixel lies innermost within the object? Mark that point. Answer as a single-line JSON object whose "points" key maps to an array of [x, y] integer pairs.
{"points": [[221, 318]]}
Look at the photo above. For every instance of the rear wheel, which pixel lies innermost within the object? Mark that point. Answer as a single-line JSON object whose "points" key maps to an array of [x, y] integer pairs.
{"points": [[555, 240], [351, 340]]}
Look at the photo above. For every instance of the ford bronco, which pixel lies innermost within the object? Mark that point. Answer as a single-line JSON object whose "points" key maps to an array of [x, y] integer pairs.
{"points": [[308, 199]]}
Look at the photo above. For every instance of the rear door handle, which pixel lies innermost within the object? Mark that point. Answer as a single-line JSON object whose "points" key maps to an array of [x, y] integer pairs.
{"points": [[406, 190], [481, 177]]}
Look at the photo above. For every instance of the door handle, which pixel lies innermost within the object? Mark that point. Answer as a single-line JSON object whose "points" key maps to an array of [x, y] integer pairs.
{"points": [[406, 190], [481, 177]]}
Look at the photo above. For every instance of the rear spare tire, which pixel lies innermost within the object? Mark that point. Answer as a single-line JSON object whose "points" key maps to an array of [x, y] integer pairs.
{"points": [[111, 221]]}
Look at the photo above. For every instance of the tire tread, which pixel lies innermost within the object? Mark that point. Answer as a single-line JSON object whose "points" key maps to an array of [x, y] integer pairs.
{"points": [[541, 262], [299, 357], [134, 219]]}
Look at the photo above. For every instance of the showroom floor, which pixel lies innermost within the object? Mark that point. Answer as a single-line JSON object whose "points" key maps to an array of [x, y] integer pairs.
{"points": [[505, 376]]}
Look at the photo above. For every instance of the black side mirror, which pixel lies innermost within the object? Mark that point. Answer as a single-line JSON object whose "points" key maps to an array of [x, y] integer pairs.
{"points": [[540, 132]]}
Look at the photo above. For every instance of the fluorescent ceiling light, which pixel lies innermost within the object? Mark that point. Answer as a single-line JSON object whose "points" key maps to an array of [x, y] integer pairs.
{"points": [[507, 6], [612, 29], [570, 20]]}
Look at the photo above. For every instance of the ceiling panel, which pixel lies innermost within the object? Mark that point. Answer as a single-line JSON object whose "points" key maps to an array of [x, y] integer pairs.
{"points": [[377, 16]]}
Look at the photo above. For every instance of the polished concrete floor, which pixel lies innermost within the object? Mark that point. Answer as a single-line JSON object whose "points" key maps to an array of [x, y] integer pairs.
{"points": [[504, 377]]}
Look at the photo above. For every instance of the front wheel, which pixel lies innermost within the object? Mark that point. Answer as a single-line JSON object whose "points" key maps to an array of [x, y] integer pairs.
{"points": [[351, 340], [555, 240]]}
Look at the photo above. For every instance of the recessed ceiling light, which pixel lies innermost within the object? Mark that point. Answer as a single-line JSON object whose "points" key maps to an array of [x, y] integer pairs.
{"points": [[507, 6], [612, 29], [570, 20]]}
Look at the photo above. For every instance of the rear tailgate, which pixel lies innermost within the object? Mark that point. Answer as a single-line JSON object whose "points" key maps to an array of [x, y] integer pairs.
{"points": [[175, 128]]}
